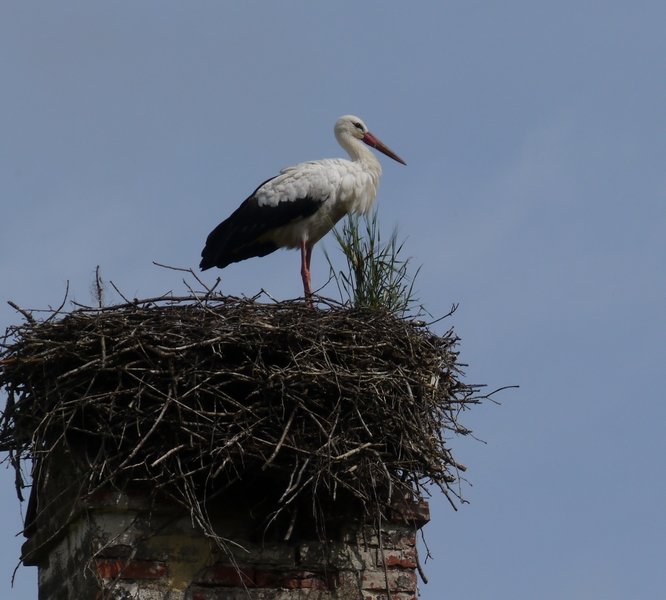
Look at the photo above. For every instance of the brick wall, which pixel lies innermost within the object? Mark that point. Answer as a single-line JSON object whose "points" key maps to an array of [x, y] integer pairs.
{"points": [[118, 546]]}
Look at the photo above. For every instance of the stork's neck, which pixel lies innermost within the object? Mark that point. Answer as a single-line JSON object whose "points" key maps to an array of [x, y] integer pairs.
{"points": [[360, 153]]}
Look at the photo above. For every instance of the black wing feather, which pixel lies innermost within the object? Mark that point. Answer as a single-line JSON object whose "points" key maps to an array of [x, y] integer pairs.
{"points": [[238, 237]]}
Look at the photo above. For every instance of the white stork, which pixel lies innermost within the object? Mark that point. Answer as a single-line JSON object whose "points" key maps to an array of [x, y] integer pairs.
{"points": [[303, 203]]}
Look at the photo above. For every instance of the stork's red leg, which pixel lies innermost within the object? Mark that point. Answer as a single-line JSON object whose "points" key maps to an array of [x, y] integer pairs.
{"points": [[306, 255]]}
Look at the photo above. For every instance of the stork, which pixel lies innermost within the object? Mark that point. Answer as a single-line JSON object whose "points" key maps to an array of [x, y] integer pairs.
{"points": [[296, 208]]}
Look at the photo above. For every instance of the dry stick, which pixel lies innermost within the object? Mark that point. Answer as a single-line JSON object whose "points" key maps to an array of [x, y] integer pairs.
{"points": [[24, 312], [191, 272], [167, 455], [167, 298], [419, 567], [282, 438], [290, 529], [295, 485], [147, 436], [428, 555], [352, 452], [115, 287], [64, 300], [99, 288]]}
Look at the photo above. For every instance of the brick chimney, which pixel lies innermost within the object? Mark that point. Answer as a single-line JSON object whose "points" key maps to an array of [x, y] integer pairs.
{"points": [[128, 545]]}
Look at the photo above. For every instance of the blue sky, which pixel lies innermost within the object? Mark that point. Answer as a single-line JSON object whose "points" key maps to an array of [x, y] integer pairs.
{"points": [[534, 196]]}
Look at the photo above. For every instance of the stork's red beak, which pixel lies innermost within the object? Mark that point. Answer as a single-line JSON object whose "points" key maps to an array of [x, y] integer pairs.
{"points": [[371, 140]]}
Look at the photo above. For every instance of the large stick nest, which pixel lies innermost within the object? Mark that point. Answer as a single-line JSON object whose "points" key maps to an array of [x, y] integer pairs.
{"points": [[193, 398]]}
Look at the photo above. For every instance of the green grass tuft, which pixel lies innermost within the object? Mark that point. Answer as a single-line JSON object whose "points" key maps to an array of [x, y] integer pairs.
{"points": [[376, 274]]}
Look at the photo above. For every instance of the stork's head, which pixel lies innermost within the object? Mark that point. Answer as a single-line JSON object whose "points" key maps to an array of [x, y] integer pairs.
{"points": [[350, 126]]}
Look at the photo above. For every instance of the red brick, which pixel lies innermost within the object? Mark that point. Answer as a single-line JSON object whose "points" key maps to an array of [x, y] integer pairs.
{"points": [[303, 580], [402, 562], [314, 583], [404, 559], [110, 568], [398, 581]]}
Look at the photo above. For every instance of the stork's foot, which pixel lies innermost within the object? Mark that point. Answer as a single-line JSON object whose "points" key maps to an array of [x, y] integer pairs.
{"points": [[307, 292]]}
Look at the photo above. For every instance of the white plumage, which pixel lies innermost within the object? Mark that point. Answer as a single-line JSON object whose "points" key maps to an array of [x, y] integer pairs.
{"points": [[302, 204]]}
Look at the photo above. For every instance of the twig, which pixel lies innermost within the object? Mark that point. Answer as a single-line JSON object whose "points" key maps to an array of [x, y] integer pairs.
{"points": [[281, 440], [25, 313], [418, 560], [167, 455]]}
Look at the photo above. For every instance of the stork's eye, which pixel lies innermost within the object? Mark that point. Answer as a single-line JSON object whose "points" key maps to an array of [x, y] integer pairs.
{"points": [[358, 126]]}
